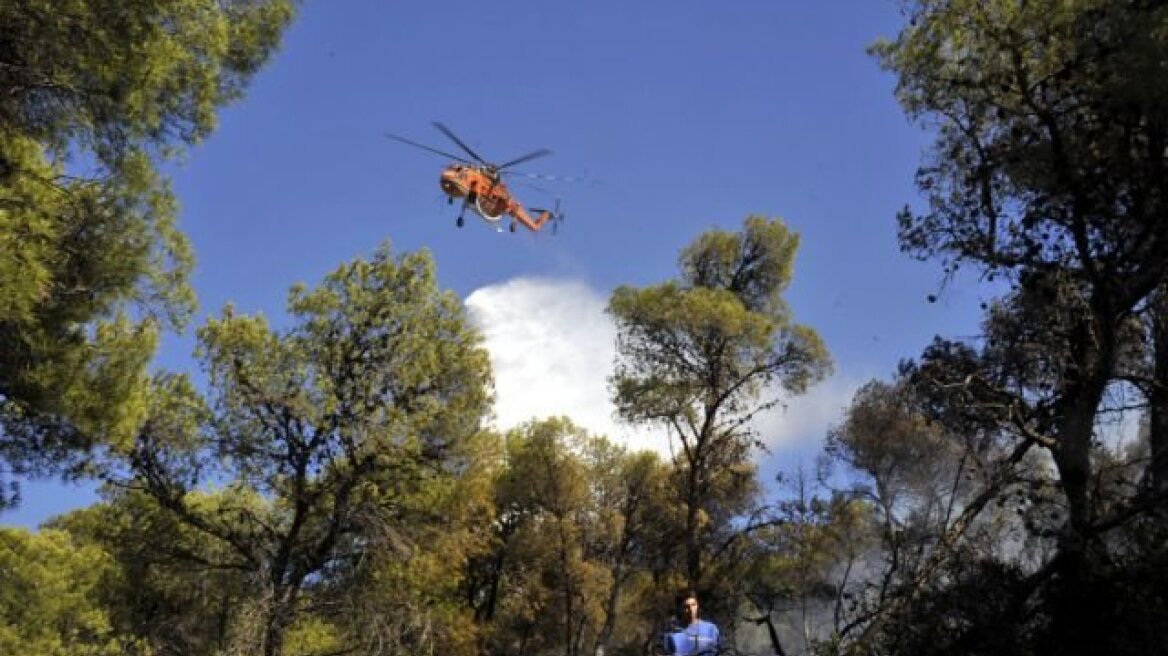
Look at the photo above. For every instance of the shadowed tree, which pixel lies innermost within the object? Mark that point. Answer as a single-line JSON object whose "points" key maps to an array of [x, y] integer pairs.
{"points": [[405, 595], [797, 565], [1048, 174], [1048, 170], [176, 589]]}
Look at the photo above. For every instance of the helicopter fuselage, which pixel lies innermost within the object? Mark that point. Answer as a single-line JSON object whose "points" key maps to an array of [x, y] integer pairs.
{"points": [[484, 192]]}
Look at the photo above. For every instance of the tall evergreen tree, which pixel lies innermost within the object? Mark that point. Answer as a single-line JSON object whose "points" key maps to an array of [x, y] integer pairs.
{"points": [[93, 93], [702, 355]]}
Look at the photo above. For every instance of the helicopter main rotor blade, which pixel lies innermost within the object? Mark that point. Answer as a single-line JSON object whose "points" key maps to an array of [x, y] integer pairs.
{"points": [[548, 177], [446, 131], [423, 147], [542, 152]]}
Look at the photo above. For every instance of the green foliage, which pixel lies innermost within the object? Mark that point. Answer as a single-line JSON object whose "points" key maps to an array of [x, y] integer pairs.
{"points": [[755, 265], [49, 597], [311, 636], [117, 76], [73, 363], [92, 94]]}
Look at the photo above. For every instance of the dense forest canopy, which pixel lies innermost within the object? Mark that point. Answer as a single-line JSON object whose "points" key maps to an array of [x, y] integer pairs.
{"points": [[332, 484]]}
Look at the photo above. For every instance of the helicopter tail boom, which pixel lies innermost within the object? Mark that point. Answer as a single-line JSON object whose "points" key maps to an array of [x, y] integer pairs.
{"points": [[532, 223]]}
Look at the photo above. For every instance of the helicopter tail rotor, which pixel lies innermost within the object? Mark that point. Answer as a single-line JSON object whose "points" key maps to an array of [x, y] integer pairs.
{"points": [[556, 215]]}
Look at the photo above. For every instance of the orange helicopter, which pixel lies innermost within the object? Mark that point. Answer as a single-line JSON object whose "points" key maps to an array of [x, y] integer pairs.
{"points": [[480, 185]]}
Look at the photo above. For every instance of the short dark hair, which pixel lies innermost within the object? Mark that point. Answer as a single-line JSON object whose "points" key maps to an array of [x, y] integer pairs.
{"points": [[687, 594]]}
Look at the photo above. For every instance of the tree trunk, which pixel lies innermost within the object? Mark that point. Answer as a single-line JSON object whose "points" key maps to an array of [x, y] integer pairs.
{"points": [[224, 620], [1093, 353], [1074, 612], [488, 611], [693, 556], [1073, 459], [774, 634], [568, 587], [1158, 399], [279, 618], [610, 610]]}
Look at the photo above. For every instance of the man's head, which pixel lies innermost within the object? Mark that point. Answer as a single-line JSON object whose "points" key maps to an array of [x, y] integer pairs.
{"points": [[689, 607]]}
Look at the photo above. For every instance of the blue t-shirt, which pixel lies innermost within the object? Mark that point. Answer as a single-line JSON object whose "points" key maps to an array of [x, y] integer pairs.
{"points": [[699, 638]]}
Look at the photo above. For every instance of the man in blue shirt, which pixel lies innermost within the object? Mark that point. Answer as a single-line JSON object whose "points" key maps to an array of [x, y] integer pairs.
{"points": [[697, 637]]}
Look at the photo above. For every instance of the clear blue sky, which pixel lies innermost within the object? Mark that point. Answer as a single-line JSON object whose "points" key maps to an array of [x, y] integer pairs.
{"points": [[686, 115]]}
